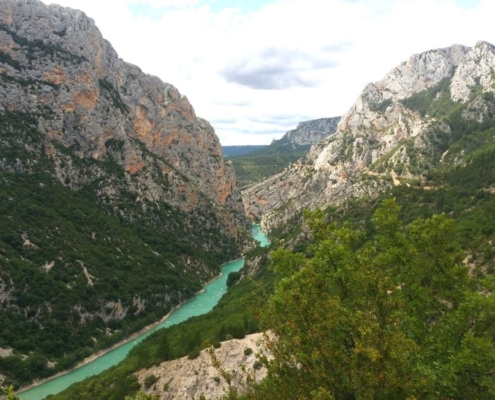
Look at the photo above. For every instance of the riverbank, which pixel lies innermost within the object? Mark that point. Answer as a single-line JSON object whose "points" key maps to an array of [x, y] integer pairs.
{"points": [[203, 302], [100, 353]]}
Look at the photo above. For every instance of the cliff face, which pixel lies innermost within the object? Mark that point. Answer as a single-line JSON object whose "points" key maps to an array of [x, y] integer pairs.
{"points": [[386, 136], [184, 379], [310, 132], [114, 194], [58, 67]]}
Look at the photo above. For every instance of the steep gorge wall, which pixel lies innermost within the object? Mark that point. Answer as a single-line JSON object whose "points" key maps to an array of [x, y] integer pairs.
{"points": [[374, 138], [89, 99]]}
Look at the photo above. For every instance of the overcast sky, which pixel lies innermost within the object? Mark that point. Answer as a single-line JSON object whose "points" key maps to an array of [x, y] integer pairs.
{"points": [[255, 68]]}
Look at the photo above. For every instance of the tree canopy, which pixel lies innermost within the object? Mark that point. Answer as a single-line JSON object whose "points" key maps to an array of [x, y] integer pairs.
{"points": [[394, 315]]}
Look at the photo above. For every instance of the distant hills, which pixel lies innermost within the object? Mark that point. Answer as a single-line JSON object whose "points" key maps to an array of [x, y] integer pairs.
{"points": [[234, 151], [258, 164]]}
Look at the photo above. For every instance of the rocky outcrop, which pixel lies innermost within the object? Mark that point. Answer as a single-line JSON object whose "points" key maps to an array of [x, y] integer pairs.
{"points": [[477, 71], [183, 378], [57, 66], [382, 139], [310, 132]]}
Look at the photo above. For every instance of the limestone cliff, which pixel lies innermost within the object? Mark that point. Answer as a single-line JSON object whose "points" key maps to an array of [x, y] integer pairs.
{"points": [[385, 138], [310, 132], [116, 202], [184, 379], [57, 66]]}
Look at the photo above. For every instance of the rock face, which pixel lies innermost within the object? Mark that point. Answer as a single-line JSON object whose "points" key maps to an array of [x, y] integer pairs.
{"points": [[89, 99], [184, 379], [156, 209], [383, 138], [308, 133], [107, 109]]}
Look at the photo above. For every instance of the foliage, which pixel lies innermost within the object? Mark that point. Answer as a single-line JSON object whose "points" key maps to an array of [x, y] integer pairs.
{"points": [[149, 381], [252, 167], [52, 236], [7, 59], [234, 151], [9, 392], [233, 278], [39, 48], [236, 315], [391, 316], [142, 396], [382, 106], [435, 101], [114, 95]]}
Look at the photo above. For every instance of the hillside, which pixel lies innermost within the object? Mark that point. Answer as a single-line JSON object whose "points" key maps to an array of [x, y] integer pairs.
{"points": [[116, 202], [271, 159], [234, 151], [399, 130]]}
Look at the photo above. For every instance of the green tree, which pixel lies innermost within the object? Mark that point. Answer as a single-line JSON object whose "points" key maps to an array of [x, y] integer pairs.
{"points": [[9, 391], [394, 316]]}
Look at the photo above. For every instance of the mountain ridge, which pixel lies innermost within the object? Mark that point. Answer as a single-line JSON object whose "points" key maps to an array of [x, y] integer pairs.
{"points": [[117, 203], [373, 129], [295, 143]]}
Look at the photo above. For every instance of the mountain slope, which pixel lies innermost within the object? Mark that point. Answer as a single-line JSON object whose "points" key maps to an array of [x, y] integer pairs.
{"points": [[116, 201], [398, 130], [280, 153], [233, 151]]}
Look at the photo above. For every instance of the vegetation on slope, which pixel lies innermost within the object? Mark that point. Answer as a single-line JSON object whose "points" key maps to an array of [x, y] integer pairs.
{"points": [[394, 315], [68, 261], [233, 151], [236, 315], [265, 162], [433, 337]]}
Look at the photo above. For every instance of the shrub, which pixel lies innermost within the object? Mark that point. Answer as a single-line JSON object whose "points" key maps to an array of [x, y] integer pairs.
{"points": [[149, 381], [248, 351], [194, 354]]}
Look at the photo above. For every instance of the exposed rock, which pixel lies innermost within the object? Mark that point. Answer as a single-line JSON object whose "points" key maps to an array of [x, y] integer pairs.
{"points": [[60, 68], [477, 68], [310, 132], [186, 379], [78, 118], [5, 352], [371, 149]]}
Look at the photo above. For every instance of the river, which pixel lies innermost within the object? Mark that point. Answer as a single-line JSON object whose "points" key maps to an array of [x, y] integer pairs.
{"points": [[201, 304]]}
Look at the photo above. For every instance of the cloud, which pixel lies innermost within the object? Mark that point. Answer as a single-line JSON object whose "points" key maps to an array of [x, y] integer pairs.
{"points": [[238, 103], [278, 68], [257, 68]]}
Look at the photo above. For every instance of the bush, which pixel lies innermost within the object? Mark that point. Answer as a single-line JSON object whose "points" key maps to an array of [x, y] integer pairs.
{"points": [[193, 354], [233, 278], [149, 381], [257, 364], [248, 351]]}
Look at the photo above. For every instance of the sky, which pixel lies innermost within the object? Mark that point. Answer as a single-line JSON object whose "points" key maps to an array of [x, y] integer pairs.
{"points": [[256, 68]]}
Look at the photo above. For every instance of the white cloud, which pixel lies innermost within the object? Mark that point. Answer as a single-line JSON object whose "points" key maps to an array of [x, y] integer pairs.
{"points": [[300, 58]]}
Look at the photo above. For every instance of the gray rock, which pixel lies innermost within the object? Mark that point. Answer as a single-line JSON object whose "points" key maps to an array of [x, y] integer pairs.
{"points": [[371, 137]]}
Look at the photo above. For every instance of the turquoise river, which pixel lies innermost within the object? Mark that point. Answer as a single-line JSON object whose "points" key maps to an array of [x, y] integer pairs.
{"points": [[201, 304]]}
